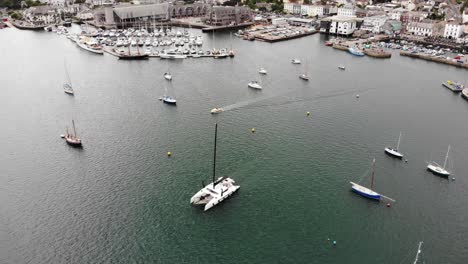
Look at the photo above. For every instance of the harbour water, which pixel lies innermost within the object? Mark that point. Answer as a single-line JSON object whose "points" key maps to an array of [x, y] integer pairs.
{"points": [[120, 199]]}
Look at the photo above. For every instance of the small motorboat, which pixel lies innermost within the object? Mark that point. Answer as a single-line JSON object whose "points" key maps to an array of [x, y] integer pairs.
{"points": [[254, 85], [262, 71], [169, 100], [296, 61], [216, 110], [167, 76], [341, 67], [356, 51], [304, 77]]}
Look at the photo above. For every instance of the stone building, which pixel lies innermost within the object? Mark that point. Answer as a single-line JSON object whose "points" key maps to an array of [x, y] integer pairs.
{"points": [[228, 15]]}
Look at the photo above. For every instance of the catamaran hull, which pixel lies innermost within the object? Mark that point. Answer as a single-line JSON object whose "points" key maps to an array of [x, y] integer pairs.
{"points": [[227, 194]]}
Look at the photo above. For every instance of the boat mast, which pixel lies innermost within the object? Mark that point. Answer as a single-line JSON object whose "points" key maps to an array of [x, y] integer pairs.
{"points": [[74, 130], [214, 154], [398, 145], [417, 254], [373, 172], [446, 156]]}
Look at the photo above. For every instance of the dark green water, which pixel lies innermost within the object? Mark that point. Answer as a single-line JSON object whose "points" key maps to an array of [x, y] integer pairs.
{"points": [[122, 200]]}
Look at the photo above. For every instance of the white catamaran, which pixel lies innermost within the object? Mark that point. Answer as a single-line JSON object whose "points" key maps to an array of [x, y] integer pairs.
{"points": [[217, 191]]}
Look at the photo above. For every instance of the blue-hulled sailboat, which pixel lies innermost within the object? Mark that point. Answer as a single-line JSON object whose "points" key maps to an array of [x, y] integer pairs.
{"points": [[366, 192]]}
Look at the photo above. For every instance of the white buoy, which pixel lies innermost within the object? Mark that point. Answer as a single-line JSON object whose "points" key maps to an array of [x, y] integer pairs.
{"points": [[160, 99], [357, 95]]}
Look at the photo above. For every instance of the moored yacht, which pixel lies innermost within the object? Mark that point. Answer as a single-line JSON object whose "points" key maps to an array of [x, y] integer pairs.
{"points": [[72, 139], [394, 152], [304, 77], [437, 169], [356, 51], [217, 191], [367, 192]]}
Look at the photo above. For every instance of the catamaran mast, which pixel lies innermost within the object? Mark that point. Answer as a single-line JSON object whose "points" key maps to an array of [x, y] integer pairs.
{"points": [[446, 156], [373, 172], [214, 154], [398, 145]]}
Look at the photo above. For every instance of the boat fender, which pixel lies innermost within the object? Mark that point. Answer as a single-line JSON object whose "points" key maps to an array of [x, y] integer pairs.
{"points": [[62, 136], [389, 205]]}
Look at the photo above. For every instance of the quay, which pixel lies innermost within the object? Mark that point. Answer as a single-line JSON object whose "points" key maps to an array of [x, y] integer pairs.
{"points": [[221, 28], [272, 38], [434, 59]]}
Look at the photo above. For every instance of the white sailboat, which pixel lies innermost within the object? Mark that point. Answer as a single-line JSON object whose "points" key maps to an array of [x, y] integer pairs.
{"points": [[418, 253], [437, 169], [67, 86], [304, 76], [217, 191], [395, 152]]}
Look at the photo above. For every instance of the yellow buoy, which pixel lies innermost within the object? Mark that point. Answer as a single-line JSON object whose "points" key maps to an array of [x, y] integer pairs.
{"points": [[308, 113], [253, 130], [169, 153]]}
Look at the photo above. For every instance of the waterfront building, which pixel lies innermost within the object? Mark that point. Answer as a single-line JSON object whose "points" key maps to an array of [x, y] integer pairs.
{"points": [[228, 15], [374, 23], [420, 28], [131, 15], [340, 25], [453, 31], [396, 13]]}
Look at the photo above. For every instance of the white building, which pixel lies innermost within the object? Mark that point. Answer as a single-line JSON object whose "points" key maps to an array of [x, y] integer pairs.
{"points": [[374, 23], [465, 16], [292, 8], [420, 28], [453, 30], [340, 25], [395, 14], [348, 11]]}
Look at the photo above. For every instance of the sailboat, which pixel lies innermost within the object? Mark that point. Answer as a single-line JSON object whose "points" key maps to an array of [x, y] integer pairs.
{"points": [[394, 152], [437, 169], [418, 253], [304, 76], [366, 192], [217, 191], [72, 139], [67, 87]]}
